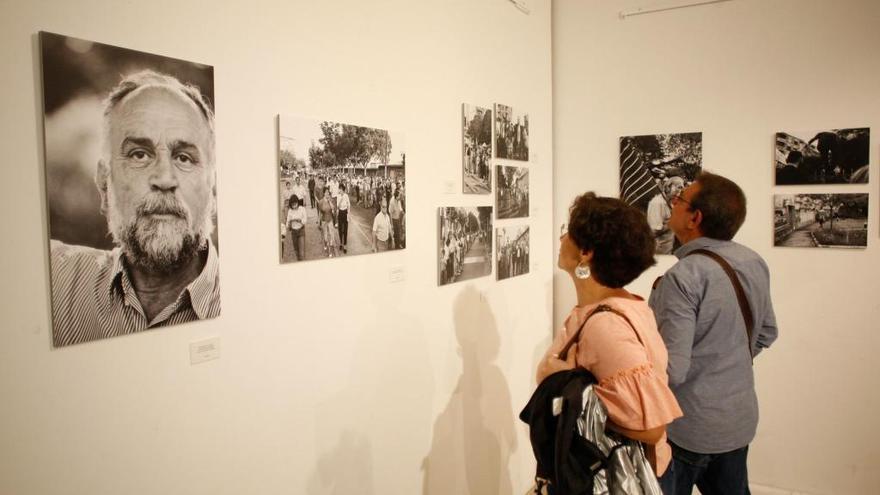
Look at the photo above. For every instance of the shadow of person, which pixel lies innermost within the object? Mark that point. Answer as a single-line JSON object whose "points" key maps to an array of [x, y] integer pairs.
{"points": [[369, 425], [474, 436], [347, 468]]}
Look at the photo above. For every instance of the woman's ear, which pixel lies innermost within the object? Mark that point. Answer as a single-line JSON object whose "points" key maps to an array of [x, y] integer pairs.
{"points": [[586, 256]]}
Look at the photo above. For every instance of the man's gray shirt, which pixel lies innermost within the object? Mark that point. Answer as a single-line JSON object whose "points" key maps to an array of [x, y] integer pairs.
{"points": [[710, 367]]}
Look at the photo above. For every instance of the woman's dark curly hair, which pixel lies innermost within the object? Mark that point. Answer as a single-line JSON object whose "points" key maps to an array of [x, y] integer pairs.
{"points": [[617, 233]]}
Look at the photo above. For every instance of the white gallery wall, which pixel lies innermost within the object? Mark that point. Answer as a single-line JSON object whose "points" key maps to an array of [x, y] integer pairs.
{"points": [[740, 71], [334, 376]]}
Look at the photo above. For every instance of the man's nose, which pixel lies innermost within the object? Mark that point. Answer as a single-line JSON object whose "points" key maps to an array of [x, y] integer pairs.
{"points": [[164, 176]]}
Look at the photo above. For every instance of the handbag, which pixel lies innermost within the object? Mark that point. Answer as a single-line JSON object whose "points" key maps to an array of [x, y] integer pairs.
{"points": [[583, 458]]}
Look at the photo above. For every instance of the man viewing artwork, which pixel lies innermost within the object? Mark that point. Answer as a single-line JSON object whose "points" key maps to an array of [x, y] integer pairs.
{"points": [[153, 176]]}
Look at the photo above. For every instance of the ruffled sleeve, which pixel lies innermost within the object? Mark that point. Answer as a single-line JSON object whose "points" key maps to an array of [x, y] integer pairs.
{"points": [[634, 392], [638, 398]]}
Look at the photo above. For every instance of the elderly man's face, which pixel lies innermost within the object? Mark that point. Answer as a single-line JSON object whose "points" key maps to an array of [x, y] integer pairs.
{"points": [[159, 181]]}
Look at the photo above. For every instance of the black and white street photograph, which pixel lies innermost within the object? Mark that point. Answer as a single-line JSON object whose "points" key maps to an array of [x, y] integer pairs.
{"points": [[511, 133], [654, 169], [512, 191], [820, 220], [512, 251], [130, 187], [476, 132], [342, 189], [464, 249], [836, 156]]}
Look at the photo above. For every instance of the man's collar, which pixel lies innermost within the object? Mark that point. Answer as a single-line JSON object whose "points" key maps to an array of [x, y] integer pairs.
{"points": [[201, 290], [698, 243]]}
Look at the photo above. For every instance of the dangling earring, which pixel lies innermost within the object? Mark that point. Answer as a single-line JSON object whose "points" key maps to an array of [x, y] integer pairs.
{"points": [[582, 271]]}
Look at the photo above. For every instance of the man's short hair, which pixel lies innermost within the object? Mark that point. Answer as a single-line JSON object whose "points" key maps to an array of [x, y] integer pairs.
{"points": [[148, 78], [723, 205]]}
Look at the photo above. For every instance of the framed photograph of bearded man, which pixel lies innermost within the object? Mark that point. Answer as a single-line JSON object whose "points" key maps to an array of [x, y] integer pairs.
{"points": [[131, 189]]}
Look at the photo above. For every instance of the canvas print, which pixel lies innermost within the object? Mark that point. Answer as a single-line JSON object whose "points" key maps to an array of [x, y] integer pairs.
{"points": [[512, 248], [511, 133], [342, 189], [820, 220], [654, 169], [512, 192], [130, 184], [464, 249], [836, 156], [476, 132]]}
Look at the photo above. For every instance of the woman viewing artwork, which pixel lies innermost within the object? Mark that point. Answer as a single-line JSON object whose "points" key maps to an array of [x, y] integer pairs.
{"points": [[605, 246]]}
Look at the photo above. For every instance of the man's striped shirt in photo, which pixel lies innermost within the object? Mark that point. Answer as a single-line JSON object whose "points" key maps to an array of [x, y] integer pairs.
{"points": [[93, 296]]}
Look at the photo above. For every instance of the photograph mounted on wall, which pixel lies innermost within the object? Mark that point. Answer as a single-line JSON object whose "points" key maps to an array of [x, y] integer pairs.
{"points": [[130, 186], [476, 132], [464, 248], [512, 192], [836, 156], [653, 170], [341, 191], [820, 220], [511, 133], [512, 248]]}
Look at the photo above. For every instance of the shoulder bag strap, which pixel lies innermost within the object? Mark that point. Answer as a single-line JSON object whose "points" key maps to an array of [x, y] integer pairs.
{"points": [[599, 309], [748, 318]]}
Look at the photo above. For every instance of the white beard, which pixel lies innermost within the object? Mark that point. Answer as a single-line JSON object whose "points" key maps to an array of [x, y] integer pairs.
{"points": [[158, 244]]}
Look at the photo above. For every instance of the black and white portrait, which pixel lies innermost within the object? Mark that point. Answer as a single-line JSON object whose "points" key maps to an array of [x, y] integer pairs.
{"points": [[464, 249], [654, 169], [476, 133], [130, 183], [836, 156], [820, 220], [512, 192], [512, 251], [342, 189], [511, 133]]}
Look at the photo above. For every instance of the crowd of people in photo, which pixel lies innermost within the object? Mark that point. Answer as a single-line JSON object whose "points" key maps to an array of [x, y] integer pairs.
{"points": [[513, 257], [477, 160], [513, 195], [332, 195], [457, 242], [512, 138]]}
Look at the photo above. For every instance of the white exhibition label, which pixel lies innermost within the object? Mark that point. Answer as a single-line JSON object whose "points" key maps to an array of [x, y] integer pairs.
{"points": [[204, 350]]}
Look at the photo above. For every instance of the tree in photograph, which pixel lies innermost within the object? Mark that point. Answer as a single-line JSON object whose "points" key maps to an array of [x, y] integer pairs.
{"points": [[354, 146], [287, 161], [486, 221]]}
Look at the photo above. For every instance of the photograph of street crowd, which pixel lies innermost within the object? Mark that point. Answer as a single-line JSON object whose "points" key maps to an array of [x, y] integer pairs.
{"points": [[820, 220], [130, 185], [342, 189], [476, 149], [464, 249], [512, 249], [836, 156], [512, 192], [653, 170], [511, 133]]}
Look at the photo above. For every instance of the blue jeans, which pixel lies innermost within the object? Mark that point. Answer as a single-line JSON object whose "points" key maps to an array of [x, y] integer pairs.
{"points": [[714, 474]]}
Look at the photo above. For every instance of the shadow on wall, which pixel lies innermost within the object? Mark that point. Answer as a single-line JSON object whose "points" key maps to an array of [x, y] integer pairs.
{"points": [[474, 436], [368, 433], [347, 468]]}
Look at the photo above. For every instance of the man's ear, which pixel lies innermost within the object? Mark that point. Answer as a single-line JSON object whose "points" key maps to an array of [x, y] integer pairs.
{"points": [[696, 220], [102, 174]]}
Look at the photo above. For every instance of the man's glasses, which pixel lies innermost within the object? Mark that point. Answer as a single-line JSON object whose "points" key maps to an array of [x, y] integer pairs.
{"points": [[678, 199]]}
